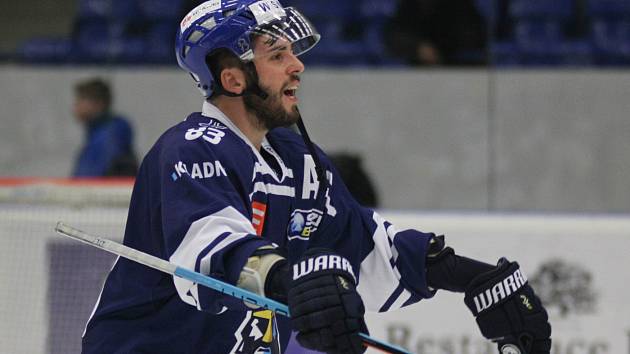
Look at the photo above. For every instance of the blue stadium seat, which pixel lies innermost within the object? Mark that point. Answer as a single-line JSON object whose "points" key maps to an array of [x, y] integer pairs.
{"points": [[558, 9], [335, 52], [374, 50], [328, 9], [160, 9], [130, 31], [539, 34], [93, 30], [578, 52], [95, 8], [610, 31], [127, 50], [45, 50], [486, 9], [505, 54], [541, 42], [609, 9], [567, 53], [160, 40], [377, 8], [113, 50], [351, 31], [93, 52], [537, 31], [611, 40], [108, 31], [111, 9], [91, 39]]}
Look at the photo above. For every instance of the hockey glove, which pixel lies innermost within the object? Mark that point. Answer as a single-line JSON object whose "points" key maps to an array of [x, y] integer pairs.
{"points": [[325, 307], [508, 312]]}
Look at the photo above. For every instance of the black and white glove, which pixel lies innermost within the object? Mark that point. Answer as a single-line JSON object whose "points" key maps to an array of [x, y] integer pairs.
{"points": [[508, 312], [325, 307]]}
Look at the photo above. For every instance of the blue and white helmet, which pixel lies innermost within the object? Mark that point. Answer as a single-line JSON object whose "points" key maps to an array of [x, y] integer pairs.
{"points": [[230, 24]]}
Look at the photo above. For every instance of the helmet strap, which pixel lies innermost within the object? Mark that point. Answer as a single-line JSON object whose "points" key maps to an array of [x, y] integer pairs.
{"points": [[252, 89], [319, 168]]}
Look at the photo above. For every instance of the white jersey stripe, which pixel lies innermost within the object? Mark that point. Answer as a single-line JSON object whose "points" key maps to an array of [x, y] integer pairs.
{"points": [[391, 232], [274, 189], [206, 261], [402, 298], [378, 279], [202, 233]]}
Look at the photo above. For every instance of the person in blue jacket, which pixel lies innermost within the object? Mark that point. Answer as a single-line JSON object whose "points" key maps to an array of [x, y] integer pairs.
{"points": [[108, 147]]}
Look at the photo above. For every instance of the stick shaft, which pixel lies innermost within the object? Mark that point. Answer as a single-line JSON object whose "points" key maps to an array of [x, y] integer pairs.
{"points": [[170, 268], [117, 248], [223, 287]]}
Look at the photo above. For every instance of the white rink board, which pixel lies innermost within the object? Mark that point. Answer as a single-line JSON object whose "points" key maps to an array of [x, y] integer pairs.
{"points": [[597, 245]]}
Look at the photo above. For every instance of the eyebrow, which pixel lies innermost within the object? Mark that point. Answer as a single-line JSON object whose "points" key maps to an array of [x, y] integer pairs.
{"points": [[278, 48]]}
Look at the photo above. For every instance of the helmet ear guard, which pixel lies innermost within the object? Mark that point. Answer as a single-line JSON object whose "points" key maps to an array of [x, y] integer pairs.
{"points": [[213, 25]]}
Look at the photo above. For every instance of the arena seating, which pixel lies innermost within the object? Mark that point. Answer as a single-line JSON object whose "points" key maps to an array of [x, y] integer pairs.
{"points": [[142, 32]]}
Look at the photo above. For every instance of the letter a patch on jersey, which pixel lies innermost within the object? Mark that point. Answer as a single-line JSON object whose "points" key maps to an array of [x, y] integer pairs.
{"points": [[258, 216]]}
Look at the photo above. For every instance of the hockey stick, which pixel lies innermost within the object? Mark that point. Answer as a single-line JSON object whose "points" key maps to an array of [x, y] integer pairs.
{"points": [[220, 286]]}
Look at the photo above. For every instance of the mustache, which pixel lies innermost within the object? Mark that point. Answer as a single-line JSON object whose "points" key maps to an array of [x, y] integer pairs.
{"points": [[294, 78]]}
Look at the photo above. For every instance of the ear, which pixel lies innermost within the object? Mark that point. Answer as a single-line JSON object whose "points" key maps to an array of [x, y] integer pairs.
{"points": [[233, 80]]}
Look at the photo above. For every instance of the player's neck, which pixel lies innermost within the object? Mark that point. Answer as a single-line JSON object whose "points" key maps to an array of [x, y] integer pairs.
{"points": [[245, 121]]}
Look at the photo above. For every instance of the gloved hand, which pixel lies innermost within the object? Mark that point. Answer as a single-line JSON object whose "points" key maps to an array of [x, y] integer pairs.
{"points": [[325, 307], [508, 311]]}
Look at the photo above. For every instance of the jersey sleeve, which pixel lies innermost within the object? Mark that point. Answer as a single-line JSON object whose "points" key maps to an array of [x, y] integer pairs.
{"points": [[206, 219], [390, 262], [393, 272]]}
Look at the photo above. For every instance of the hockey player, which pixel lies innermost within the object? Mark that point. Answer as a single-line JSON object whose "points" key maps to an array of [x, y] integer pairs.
{"points": [[232, 193]]}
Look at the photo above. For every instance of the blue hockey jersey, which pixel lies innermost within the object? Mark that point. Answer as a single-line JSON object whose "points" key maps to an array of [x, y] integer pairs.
{"points": [[205, 199]]}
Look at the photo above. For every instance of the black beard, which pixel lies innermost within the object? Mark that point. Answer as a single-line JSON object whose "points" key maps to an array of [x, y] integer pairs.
{"points": [[270, 112]]}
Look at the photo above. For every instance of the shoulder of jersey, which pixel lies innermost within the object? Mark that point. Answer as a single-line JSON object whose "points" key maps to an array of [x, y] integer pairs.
{"points": [[287, 137], [201, 132], [292, 142]]}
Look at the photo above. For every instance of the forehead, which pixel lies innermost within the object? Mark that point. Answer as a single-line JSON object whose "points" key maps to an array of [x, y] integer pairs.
{"points": [[268, 44], [82, 97]]}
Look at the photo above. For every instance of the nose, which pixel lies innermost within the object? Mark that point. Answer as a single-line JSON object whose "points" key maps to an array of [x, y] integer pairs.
{"points": [[296, 67]]}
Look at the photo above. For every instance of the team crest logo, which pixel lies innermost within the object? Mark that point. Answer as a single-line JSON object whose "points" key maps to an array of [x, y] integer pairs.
{"points": [[243, 45], [303, 223], [257, 334]]}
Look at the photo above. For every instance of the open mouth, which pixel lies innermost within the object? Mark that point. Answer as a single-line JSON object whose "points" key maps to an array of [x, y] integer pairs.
{"points": [[290, 92]]}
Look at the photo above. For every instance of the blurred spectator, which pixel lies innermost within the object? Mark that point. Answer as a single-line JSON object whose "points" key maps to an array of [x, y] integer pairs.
{"points": [[108, 147], [438, 32], [355, 178]]}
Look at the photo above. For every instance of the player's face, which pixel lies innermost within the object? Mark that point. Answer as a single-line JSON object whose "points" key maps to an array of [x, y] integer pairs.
{"points": [[278, 75], [85, 109]]}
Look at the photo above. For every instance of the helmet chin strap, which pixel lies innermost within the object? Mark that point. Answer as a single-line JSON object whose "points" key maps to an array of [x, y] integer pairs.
{"points": [[319, 168], [252, 89], [255, 89]]}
